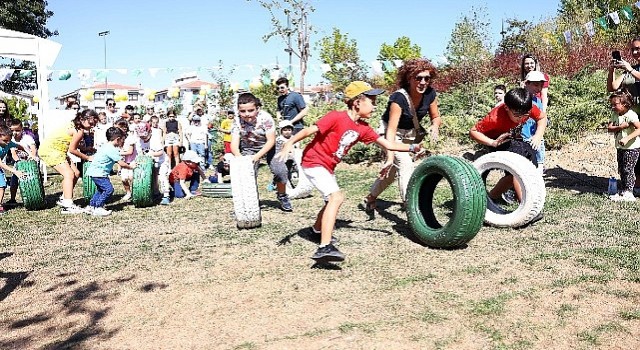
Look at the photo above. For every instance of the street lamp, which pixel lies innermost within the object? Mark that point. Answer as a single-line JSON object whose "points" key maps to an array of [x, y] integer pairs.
{"points": [[104, 37]]}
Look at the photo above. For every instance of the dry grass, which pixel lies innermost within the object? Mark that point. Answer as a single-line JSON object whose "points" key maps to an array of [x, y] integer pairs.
{"points": [[183, 277]]}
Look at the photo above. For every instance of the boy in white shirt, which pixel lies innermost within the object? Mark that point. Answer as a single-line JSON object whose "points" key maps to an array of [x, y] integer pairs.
{"points": [[197, 134]]}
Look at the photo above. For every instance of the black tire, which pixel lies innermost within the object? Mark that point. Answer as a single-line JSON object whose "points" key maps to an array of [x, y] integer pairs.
{"points": [[216, 190], [469, 201], [142, 186], [246, 205], [88, 186], [533, 188], [31, 188]]}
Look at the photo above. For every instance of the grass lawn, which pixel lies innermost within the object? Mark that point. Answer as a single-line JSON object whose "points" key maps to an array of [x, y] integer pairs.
{"points": [[183, 276]]}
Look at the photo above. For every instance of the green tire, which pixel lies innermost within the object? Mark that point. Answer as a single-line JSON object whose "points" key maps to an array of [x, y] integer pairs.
{"points": [[142, 191], [216, 190], [88, 186], [469, 202], [31, 188]]}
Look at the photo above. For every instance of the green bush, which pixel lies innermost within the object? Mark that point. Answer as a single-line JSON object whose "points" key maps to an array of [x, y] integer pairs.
{"points": [[18, 108]]}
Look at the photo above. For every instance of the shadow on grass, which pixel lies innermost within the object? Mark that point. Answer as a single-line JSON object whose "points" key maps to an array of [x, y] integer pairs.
{"points": [[307, 234], [75, 315], [571, 180]]}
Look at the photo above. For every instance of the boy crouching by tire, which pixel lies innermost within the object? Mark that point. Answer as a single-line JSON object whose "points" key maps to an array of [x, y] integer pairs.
{"points": [[500, 130]]}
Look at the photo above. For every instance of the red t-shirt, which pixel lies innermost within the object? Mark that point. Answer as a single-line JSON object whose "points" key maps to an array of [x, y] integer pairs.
{"points": [[337, 132], [497, 122], [181, 172]]}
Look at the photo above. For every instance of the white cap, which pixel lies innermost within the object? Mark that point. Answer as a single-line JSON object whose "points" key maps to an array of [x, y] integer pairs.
{"points": [[534, 75], [191, 156]]}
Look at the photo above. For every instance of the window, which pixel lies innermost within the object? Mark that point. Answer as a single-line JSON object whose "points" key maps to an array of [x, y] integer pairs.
{"points": [[98, 95], [133, 97]]}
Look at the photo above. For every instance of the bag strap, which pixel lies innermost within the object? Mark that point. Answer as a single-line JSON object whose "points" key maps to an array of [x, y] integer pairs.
{"points": [[416, 123]]}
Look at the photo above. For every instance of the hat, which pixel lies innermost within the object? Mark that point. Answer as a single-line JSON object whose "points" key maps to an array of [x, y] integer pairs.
{"points": [[534, 75], [285, 124], [195, 118], [191, 156], [143, 129], [360, 87], [231, 111], [128, 107]]}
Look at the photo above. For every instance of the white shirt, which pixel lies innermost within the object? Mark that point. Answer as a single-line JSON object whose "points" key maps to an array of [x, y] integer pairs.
{"points": [[197, 134]]}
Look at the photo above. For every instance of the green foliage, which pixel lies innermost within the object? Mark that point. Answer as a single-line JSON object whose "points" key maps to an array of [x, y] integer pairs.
{"points": [[576, 106], [403, 50], [515, 37], [268, 95], [27, 16], [470, 39], [224, 96], [17, 108], [341, 53]]}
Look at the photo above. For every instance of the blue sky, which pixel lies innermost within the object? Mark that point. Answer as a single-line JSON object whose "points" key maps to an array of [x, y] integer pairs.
{"points": [[198, 33]]}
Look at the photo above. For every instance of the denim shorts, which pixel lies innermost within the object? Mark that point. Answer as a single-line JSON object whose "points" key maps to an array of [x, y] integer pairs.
{"points": [[3, 180]]}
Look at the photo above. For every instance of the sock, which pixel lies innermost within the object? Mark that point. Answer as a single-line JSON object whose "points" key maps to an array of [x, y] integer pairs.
{"points": [[67, 203], [314, 230]]}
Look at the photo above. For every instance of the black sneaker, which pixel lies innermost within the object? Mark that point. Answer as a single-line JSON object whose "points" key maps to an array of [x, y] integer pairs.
{"points": [[327, 253], [285, 203], [313, 236], [510, 197]]}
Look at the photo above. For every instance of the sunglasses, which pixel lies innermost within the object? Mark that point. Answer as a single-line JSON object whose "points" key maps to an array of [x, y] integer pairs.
{"points": [[420, 78], [111, 104], [281, 87]]}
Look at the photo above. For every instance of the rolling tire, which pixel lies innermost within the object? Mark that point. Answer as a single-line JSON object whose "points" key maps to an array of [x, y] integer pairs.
{"points": [[304, 187], [469, 201], [88, 186], [533, 189], [31, 188], [142, 186], [216, 190], [246, 205]]}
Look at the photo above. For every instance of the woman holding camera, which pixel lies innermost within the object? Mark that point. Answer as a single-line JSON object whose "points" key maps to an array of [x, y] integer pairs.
{"points": [[414, 99], [630, 76]]}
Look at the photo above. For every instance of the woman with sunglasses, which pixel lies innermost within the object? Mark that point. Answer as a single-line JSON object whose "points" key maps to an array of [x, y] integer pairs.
{"points": [[414, 99], [529, 63]]}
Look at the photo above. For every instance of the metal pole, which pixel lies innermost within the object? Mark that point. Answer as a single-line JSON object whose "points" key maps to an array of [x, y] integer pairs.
{"points": [[106, 82], [289, 41]]}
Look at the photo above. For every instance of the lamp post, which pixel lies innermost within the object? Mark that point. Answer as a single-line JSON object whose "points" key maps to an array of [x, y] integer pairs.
{"points": [[104, 37]]}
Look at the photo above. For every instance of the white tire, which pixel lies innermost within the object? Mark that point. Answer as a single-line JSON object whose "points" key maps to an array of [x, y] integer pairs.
{"points": [[244, 190], [530, 180], [304, 187]]}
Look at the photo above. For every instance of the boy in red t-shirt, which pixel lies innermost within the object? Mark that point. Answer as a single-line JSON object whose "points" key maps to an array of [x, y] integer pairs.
{"points": [[501, 128], [187, 169], [335, 134]]}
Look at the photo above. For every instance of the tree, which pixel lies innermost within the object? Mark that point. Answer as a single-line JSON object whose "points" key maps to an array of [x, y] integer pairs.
{"points": [[27, 16], [224, 96], [515, 38], [297, 25], [468, 50], [402, 50], [341, 54], [470, 37]]}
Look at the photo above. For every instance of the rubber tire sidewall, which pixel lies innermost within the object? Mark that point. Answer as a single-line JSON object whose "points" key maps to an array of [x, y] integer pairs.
{"points": [[244, 189], [305, 187], [142, 184], [533, 188], [216, 190], [88, 186], [469, 197], [31, 188]]}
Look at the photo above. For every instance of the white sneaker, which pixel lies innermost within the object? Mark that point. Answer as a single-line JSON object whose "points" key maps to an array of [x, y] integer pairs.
{"points": [[100, 212], [126, 197], [88, 209], [625, 197], [72, 209]]}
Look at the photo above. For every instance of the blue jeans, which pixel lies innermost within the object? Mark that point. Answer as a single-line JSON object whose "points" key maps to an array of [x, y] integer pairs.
{"points": [[193, 186], [104, 190], [200, 149]]}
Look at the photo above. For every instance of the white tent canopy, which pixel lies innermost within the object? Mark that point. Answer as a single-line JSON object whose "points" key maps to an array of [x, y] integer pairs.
{"points": [[29, 47]]}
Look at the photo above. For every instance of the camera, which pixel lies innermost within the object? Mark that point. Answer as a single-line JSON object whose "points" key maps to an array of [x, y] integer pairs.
{"points": [[616, 55]]}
